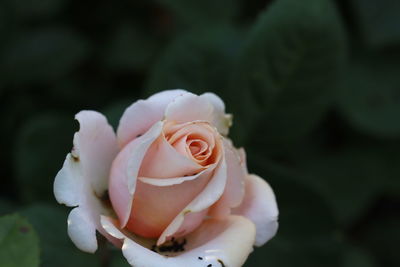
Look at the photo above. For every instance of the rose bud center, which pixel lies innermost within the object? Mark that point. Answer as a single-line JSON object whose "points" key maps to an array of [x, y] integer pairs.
{"points": [[187, 153]]}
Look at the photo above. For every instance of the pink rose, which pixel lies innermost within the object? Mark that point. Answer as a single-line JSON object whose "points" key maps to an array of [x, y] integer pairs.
{"points": [[169, 187]]}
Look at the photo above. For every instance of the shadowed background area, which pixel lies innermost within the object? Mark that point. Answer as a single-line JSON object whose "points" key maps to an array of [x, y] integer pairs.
{"points": [[314, 87]]}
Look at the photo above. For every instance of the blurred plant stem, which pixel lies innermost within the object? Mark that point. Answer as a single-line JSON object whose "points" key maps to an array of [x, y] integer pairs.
{"points": [[104, 252]]}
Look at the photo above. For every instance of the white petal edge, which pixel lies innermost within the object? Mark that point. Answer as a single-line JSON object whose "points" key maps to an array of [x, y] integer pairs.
{"points": [[225, 242], [259, 205], [141, 115], [83, 178], [206, 107], [220, 120]]}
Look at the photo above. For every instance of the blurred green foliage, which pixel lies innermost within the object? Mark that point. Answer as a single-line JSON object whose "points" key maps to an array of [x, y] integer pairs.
{"points": [[314, 87]]}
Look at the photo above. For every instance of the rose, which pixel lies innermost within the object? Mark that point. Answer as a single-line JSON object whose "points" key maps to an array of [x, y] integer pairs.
{"points": [[169, 187]]}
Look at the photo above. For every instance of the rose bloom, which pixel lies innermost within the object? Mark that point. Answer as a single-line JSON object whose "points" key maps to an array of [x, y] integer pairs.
{"points": [[168, 188]]}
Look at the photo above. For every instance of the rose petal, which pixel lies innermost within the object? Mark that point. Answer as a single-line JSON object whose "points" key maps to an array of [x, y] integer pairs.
{"points": [[221, 120], [259, 205], [235, 185], [83, 178], [155, 207], [125, 170], [211, 193], [141, 115], [175, 180], [217, 242], [163, 161], [206, 107]]}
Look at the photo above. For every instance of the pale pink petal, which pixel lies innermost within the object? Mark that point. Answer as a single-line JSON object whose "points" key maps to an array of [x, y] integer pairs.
{"points": [[82, 181], [211, 193], [125, 170], [141, 115], [163, 161], [174, 180], [216, 242], [235, 185], [220, 120], [259, 205], [154, 207]]}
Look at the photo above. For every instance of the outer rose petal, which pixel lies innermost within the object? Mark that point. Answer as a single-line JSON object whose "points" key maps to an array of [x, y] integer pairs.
{"points": [[207, 107], [125, 170], [235, 184], [83, 178], [141, 115], [218, 242], [211, 193], [259, 205]]}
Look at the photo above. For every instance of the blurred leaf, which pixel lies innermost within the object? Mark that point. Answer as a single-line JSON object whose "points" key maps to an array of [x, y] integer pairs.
{"points": [[206, 12], [114, 112], [41, 147], [378, 20], [370, 96], [131, 48], [57, 249], [356, 257], [118, 260], [199, 61], [350, 179], [19, 244], [36, 8], [42, 55], [307, 234], [288, 66], [6, 206], [382, 238]]}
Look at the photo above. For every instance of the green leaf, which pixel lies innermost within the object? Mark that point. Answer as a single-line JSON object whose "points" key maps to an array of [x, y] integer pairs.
{"points": [[288, 67], [19, 245], [41, 148], [382, 237], [307, 234], [378, 21], [202, 12], [31, 9], [131, 48], [42, 55], [57, 249], [198, 61], [370, 95]]}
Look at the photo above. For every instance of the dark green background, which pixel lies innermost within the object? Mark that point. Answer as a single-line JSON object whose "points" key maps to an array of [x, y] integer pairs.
{"points": [[314, 86]]}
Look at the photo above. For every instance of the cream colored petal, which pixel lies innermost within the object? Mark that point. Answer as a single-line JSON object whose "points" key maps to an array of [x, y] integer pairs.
{"points": [[259, 205], [141, 115], [217, 242], [82, 181]]}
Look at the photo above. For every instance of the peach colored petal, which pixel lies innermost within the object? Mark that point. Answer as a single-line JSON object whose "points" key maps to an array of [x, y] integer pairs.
{"points": [[216, 242], [259, 205], [235, 185], [125, 170], [141, 115], [163, 161], [220, 119], [82, 181], [211, 193], [154, 207]]}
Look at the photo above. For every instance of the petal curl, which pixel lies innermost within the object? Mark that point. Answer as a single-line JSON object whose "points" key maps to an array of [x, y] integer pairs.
{"points": [[125, 170], [211, 193], [207, 107], [259, 205], [235, 185], [141, 115], [82, 181], [225, 242]]}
